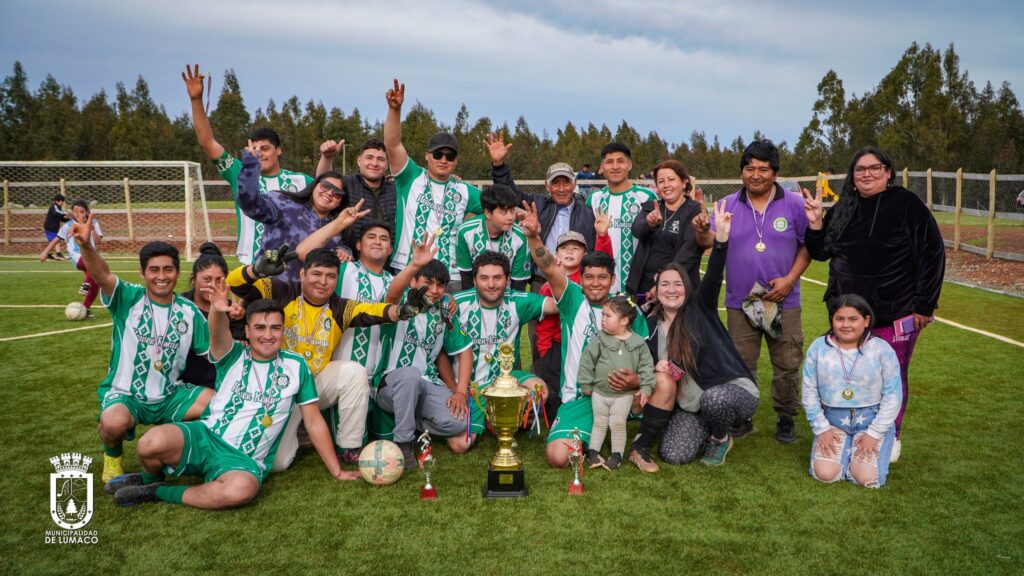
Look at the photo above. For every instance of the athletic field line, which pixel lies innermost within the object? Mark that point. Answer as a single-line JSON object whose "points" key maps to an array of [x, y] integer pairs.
{"points": [[59, 271], [938, 319], [41, 334], [33, 305]]}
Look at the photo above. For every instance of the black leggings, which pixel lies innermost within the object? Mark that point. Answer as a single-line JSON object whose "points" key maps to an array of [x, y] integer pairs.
{"points": [[720, 407]]}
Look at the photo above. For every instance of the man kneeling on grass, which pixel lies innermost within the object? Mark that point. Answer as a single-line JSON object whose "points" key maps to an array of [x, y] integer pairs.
{"points": [[233, 447]]}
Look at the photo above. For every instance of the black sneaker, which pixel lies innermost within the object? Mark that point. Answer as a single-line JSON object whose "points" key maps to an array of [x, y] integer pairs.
{"points": [[408, 456], [594, 459], [785, 429], [50, 256], [89, 315], [746, 428], [614, 461], [118, 482], [83, 289], [133, 495]]}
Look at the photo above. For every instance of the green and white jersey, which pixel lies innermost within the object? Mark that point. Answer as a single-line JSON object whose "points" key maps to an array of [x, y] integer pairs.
{"points": [[474, 239], [248, 392], [361, 345], [622, 208], [488, 328], [250, 232], [426, 205], [148, 336], [580, 322], [418, 341]]}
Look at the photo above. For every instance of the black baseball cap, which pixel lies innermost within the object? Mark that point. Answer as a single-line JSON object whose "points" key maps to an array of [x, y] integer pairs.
{"points": [[442, 140]]}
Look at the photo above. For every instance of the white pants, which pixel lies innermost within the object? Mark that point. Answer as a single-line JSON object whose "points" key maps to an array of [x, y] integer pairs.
{"points": [[342, 383]]}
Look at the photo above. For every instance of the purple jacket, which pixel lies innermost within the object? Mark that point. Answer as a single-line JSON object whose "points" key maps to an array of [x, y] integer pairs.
{"points": [[284, 220]]}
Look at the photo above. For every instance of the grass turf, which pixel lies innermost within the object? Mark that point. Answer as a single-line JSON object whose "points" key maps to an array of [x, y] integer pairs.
{"points": [[953, 504]]}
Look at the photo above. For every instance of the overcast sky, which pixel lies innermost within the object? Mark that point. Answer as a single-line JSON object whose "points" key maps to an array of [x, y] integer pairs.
{"points": [[724, 67]]}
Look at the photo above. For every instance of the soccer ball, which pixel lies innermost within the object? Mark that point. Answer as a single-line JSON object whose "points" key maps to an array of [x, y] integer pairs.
{"points": [[380, 463], [75, 311]]}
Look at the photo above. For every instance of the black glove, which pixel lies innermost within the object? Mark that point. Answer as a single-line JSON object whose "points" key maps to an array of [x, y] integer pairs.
{"points": [[415, 303], [445, 308], [273, 262]]}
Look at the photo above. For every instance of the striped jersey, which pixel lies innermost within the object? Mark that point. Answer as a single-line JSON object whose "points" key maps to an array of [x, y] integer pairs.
{"points": [[356, 283], [150, 342], [250, 390], [250, 232], [487, 328], [622, 208], [417, 342], [426, 205], [474, 239], [581, 321], [74, 250]]}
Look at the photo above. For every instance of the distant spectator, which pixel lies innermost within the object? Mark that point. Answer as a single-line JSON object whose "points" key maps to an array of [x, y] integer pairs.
{"points": [[55, 218]]}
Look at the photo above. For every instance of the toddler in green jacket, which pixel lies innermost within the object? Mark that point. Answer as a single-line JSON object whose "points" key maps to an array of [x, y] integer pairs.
{"points": [[616, 347]]}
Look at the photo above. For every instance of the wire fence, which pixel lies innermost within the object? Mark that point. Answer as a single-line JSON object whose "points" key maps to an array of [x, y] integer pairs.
{"points": [[141, 201]]}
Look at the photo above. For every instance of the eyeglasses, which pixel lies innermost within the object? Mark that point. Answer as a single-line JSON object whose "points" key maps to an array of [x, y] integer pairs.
{"points": [[874, 169], [337, 191], [449, 155]]}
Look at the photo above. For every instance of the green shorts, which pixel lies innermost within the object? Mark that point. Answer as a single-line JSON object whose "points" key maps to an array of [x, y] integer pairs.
{"points": [[206, 454], [576, 414], [171, 409]]}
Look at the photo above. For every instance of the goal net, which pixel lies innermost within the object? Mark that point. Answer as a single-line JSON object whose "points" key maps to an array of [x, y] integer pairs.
{"points": [[135, 203]]}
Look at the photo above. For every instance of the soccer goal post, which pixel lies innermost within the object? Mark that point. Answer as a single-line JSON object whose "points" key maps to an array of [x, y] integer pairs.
{"points": [[135, 203]]}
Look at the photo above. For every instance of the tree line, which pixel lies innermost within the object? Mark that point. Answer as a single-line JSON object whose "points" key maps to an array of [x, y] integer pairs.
{"points": [[925, 112]]}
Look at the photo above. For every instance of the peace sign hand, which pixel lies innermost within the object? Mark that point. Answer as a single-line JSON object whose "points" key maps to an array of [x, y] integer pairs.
{"points": [[396, 96], [351, 214], [723, 222], [423, 252], [530, 224], [813, 209], [601, 221]]}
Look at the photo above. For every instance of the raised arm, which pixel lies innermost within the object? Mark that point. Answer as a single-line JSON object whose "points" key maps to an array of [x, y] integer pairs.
{"points": [[94, 263], [329, 150], [317, 239], [711, 284], [422, 254], [498, 150], [257, 206], [397, 156], [544, 259], [200, 123], [220, 324]]}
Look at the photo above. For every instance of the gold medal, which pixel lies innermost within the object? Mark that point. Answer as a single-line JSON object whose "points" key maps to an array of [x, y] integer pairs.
{"points": [[438, 231], [848, 394], [158, 366], [760, 247], [308, 353], [488, 358], [266, 421]]}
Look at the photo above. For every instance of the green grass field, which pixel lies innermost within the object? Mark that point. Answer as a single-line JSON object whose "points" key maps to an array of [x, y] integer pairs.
{"points": [[953, 504]]}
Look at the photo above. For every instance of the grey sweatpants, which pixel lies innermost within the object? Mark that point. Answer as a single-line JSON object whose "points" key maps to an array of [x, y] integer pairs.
{"points": [[417, 403], [610, 412]]}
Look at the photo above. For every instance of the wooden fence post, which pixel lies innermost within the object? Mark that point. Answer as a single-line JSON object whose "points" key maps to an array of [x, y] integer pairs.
{"points": [[928, 194], [990, 251], [128, 210], [7, 212], [906, 177], [959, 203], [63, 188]]}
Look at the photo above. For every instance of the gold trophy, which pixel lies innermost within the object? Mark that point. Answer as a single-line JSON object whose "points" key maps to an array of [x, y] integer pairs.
{"points": [[505, 403]]}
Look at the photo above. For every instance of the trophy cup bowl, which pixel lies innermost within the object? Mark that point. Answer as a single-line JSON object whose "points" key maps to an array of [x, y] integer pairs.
{"points": [[505, 402]]}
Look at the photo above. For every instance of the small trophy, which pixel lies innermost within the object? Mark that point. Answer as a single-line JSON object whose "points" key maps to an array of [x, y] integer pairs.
{"points": [[576, 463], [426, 459], [505, 402]]}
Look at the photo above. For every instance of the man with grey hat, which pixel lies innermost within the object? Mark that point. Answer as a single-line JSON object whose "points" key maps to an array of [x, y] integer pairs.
{"points": [[430, 201]]}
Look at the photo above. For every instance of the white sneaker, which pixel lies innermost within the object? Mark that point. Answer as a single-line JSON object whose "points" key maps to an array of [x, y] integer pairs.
{"points": [[896, 449]]}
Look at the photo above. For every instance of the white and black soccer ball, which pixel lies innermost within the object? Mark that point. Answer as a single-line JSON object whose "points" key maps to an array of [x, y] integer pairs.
{"points": [[75, 311]]}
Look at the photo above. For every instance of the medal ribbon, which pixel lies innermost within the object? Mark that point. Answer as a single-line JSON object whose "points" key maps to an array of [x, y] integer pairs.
{"points": [[848, 376], [158, 341], [753, 213], [267, 385]]}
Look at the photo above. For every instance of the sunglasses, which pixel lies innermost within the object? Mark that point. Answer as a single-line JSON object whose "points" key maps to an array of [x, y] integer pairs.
{"points": [[449, 155], [336, 190]]}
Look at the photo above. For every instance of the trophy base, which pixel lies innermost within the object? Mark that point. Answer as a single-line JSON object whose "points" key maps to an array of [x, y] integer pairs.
{"points": [[428, 493], [576, 489], [505, 484]]}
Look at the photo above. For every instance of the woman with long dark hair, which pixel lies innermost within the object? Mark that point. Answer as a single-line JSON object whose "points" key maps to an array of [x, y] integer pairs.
{"points": [[851, 395], [663, 231], [697, 367], [208, 270], [884, 245], [288, 217]]}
